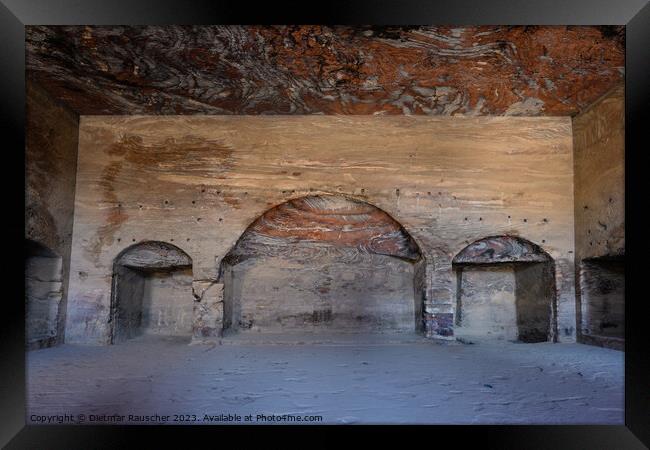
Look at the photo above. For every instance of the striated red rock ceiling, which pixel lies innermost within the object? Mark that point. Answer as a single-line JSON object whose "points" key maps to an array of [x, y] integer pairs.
{"points": [[440, 70]]}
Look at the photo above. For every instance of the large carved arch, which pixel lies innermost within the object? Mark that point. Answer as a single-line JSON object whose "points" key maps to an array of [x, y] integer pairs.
{"points": [[324, 227], [336, 221]]}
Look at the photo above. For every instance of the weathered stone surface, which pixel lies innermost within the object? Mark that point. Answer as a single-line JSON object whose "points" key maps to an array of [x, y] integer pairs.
{"points": [[506, 301], [151, 291], [201, 287], [51, 141], [486, 302], [201, 183], [168, 303], [447, 181], [325, 221], [154, 255], [43, 297], [535, 300], [127, 309], [566, 306], [40, 225], [366, 293], [506, 289], [599, 166], [437, 70], [208, 310], [602, 293], [322, 262], [500, 249], [439, 325]]}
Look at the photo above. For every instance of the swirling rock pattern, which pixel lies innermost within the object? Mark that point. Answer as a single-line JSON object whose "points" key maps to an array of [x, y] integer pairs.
{"points": [[153, 255], [485, 70], [500, 249], [324, 225]]}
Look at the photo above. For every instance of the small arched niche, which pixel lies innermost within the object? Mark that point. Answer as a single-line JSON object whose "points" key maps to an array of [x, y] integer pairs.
{"points": [[151, 292], [323, 263], [505, 289], [43, 294]]}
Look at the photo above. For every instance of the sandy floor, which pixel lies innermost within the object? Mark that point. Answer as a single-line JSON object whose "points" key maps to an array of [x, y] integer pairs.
{"points": [[351, 379]]}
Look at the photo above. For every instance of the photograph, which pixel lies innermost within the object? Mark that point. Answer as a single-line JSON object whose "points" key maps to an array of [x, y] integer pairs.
{"points": [[325, 224]]}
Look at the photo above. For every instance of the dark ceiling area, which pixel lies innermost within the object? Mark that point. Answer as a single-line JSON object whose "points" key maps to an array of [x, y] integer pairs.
{"points": [[484, 70]]}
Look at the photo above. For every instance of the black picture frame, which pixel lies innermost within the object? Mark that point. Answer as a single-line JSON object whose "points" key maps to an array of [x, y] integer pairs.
{"points": [[634, 14]]}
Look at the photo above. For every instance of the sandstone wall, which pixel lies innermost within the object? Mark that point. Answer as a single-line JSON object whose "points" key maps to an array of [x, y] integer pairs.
{"points": [[43, 294], [370, 293], [199, 182], [168, 303], [51, 142], [486, 302], [599, 161]]}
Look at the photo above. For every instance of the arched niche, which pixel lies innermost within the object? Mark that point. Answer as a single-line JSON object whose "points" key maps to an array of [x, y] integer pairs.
{"points": [[151, 291], [43, 294], [323, 263], [505, 289]]}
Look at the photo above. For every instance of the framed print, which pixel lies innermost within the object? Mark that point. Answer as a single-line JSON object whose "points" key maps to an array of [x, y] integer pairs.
{"points": [[383, 215]]}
